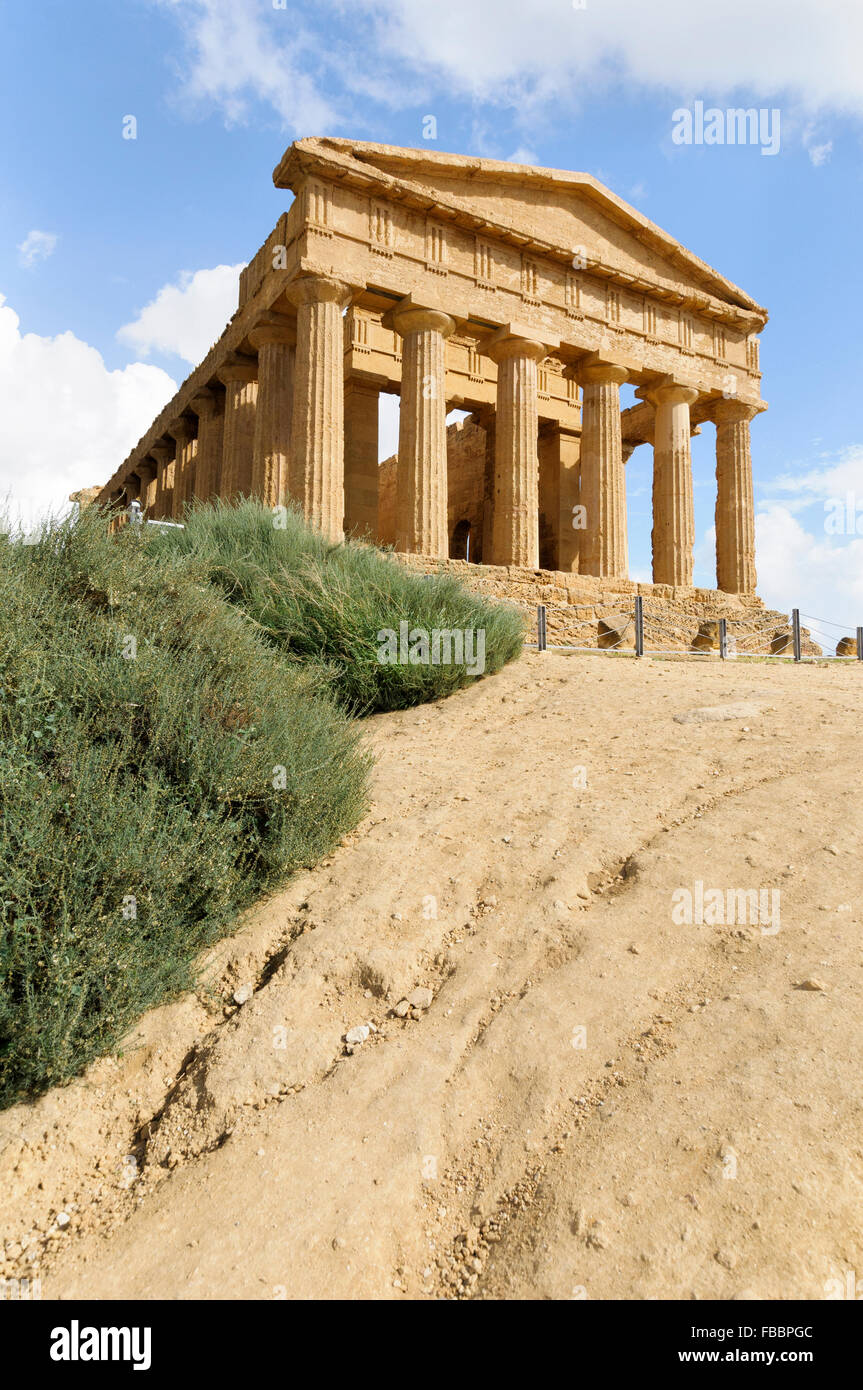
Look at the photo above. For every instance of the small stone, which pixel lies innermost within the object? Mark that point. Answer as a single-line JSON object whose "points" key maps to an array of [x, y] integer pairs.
{"points": [[243, 994], [357, 1035], [421, 998], [597, 1236], [729, 1259], [63, 1219], [831, 849], [401, 1008], [813, 983]]}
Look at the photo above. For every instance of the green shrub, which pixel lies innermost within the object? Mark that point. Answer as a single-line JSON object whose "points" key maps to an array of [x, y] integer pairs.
{"points": [[166, 756], [161, 764], [327, 604]]}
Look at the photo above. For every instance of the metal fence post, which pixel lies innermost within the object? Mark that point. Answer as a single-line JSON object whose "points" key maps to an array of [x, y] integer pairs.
{"points": [[860, 644], [541, 630], [723, 639], [639, 625], [795, 623]]}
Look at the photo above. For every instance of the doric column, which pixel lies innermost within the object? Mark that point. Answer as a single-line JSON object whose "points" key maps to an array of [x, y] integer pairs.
{"points": [[183, 431], [361, 458], [603, 549], [317, 470], [735, 505], [164, 502], [481, 550], [275, 340], [559, 466], [209, 406], [421, 484], [673, 508], [240, 381], [515, 511], [146, 471]]}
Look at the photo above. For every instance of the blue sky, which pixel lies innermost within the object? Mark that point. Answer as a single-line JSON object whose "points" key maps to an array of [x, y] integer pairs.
{"points": [[118, 257]]}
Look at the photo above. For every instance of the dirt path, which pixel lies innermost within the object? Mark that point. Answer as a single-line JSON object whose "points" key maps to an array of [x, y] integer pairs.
{"points": [[599, 1102]]}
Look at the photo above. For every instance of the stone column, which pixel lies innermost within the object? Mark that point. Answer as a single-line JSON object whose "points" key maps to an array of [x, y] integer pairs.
{"points": [[421, 487], [735, 506], [673, 508], [317, 470], [146, 471], [209, 406], [183, 431], [481, 551], [164, 503], [361, 458], [559, 460], [603, 549], [515, 512], [240, 380], [275, 340]]}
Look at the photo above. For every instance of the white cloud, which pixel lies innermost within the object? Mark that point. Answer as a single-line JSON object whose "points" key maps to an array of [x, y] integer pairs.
{"points": [[809, 540], [818, 153], [185, 318], [238, 54], [530, 58], [503, 50], [523, 155], [834, 477], [817, 573], [67, 421], [36, 246]]}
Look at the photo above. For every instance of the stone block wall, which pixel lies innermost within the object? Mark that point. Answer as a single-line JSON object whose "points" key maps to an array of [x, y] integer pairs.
{"points": [[576, 604]]}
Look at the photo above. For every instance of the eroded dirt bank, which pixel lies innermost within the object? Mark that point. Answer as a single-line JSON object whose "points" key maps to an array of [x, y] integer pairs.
{"points": [[600, 1101]]}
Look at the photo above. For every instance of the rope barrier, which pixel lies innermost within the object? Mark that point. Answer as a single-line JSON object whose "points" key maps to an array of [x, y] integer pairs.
{"points": [[738, 637]]}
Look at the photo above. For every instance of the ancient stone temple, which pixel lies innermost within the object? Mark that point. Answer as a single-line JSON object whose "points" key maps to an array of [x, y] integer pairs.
{"points": [[525, 296]]}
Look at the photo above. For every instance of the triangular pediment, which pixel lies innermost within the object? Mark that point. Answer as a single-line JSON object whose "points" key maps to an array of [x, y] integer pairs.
{"points": [[551, 209]]}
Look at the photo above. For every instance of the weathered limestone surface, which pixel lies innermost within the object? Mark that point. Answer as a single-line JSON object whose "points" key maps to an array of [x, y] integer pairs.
{"points": [[421, 488], [146, 471], [164, 456], [317, 477], [673, 505], [184, 465], [240, 380], [362, 482], [209, 406], [275, 342], [603, 549], [735, 507], [579, 606], [515, 508]]}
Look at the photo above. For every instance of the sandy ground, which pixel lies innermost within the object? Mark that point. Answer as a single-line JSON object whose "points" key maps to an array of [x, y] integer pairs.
{"points": [[600, 1101]]}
